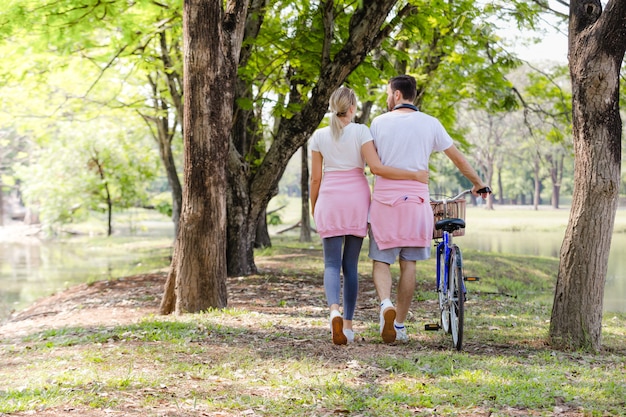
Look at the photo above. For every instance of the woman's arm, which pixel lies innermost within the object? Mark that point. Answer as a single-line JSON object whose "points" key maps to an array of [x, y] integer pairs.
{"points": [[376, 167], [316, 178]]}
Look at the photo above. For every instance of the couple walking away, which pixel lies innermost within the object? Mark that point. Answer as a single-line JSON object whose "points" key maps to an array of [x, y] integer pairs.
{"points": [[397, 148]]}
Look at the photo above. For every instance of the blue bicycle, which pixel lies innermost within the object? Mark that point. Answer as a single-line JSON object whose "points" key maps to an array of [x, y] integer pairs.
{"points": [[449, 216]]}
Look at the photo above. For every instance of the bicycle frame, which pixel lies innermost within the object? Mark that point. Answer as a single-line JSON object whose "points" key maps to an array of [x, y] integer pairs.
{"points": [[445, 244]]}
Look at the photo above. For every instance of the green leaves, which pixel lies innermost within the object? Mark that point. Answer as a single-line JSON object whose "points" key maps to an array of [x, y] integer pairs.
{"points": [[75, 172]]}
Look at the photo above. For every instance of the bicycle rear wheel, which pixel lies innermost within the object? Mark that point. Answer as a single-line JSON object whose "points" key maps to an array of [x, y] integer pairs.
{"points": [[442, 290], [457, 297]]}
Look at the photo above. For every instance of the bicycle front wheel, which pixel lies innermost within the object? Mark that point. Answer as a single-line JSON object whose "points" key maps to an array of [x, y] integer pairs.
{"points": [[442, 290], [457, 296]]}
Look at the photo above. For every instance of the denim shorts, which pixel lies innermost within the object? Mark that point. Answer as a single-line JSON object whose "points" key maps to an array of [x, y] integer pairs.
{"points": [[390, 255]]}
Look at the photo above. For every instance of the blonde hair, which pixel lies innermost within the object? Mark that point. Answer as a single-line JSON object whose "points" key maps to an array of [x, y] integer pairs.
{"points": [[340, 102]]}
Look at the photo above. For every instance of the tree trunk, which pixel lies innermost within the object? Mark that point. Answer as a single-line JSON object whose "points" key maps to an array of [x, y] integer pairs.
{"points": [[109, 212], [500, 188], [174, 87], [166, 125], [241, 225], [262, 238], [305, 222], [537, 182], [176, 188], [597, 41], [1, 203], [212, 42], [556, 176]]}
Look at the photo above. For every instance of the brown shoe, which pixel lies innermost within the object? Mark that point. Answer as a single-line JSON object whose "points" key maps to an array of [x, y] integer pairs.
{"points": [[387, 331], [336, 326]]}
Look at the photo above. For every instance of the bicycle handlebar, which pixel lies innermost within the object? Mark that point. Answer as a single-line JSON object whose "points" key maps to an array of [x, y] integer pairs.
{"points": [[484, 190]]}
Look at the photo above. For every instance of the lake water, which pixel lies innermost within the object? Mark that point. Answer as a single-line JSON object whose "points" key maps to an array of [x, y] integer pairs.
{"points": [[31, 268], [549, 244]]}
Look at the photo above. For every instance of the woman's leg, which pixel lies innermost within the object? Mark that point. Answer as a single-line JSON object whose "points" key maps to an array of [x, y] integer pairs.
{"points": [[332, 269], [350, 264], [332, 285]]}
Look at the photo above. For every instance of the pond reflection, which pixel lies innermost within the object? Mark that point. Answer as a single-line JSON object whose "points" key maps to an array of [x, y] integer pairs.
{"points": [[31, 269], [549, 244]]}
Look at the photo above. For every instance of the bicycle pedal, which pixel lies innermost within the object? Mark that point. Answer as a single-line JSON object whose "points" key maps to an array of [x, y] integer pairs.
{"points": [[432, 327], [471, 279]]}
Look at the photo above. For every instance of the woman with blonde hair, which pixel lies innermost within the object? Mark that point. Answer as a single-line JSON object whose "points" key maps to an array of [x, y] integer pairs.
{"points": [[340, 200]]}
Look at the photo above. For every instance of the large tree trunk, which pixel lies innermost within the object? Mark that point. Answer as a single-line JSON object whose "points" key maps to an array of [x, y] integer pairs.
{"points": [[253, 189], [596, 49], [212, 42]]}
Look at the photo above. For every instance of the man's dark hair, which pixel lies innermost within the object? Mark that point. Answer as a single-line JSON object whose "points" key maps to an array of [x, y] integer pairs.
{"points": [[406, 85]]}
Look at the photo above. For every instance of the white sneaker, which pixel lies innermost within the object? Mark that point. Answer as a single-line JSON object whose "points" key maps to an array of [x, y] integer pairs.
{"points": [[387, 330], [401, 335], [336, 328], [349, 335]]}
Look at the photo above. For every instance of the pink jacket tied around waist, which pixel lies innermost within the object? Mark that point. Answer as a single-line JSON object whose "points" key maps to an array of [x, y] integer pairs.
{"points": [[400, 214], [343, 204]]}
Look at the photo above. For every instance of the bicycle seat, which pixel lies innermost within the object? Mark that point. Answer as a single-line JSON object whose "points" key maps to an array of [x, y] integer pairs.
{"points": [[450, 225]]}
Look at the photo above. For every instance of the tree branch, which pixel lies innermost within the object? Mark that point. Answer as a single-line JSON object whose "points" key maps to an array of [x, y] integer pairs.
{"points": [[328, 21]]}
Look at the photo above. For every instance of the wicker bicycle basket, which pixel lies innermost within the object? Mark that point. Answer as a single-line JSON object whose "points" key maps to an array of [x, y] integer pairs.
{"points": [[454, 209]]}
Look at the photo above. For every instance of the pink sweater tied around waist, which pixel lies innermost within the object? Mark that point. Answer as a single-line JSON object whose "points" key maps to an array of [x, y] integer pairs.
{"points": [[400, 214], [343, 204]]}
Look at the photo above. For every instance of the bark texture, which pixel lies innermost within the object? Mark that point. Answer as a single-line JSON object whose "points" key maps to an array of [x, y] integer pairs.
{"points": [[212, 42], [596, 49]]}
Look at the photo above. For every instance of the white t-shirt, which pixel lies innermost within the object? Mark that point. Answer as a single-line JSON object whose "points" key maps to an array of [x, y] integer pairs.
{"points": [[406, 139], [343, 154]]}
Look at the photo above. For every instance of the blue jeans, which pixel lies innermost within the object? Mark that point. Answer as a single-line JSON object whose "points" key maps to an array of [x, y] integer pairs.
{"points": [[342, 253]]}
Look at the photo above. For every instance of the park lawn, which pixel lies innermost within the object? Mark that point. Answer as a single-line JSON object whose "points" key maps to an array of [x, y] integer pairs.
{"points": [[269, 353]]}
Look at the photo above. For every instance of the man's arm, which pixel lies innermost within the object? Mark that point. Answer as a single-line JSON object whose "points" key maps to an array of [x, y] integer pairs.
{"points": [[466, 169]]}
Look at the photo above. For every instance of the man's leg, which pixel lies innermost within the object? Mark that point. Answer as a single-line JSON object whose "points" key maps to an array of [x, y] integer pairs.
{"points": [[406, 290], [381, 273]]}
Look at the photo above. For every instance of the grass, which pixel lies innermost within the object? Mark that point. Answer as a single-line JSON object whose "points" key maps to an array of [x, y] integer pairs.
{"points": [[198, 363], [269, 353]]}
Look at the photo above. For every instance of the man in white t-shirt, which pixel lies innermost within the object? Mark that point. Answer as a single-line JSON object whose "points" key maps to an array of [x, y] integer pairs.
{"points": [[401, 220]]}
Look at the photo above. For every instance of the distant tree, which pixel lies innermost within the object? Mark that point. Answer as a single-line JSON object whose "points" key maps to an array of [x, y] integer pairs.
{"points": [[13, 151], [597, 42], [79, 171]]}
